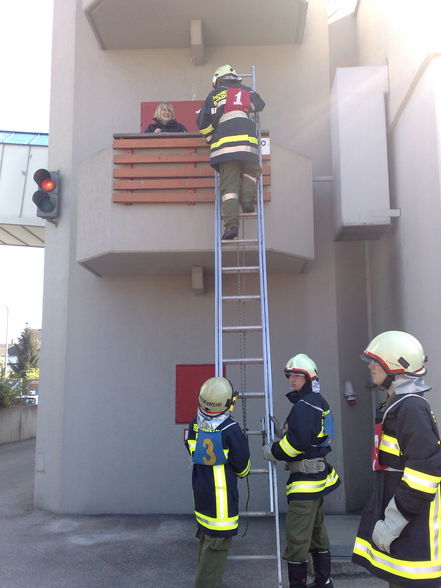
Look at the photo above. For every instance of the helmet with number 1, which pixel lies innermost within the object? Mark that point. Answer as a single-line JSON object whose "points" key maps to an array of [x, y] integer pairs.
{"points": [[303, 365], [397, 353], [226, 72], [216, 396]]}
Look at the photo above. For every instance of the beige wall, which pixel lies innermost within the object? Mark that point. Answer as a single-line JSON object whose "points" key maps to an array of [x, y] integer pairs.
{"points": [[107, 441], [18, 423], [405, 284]]}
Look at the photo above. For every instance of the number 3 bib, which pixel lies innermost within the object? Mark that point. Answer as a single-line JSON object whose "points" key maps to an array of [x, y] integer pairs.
{"points": [[209, 450]]}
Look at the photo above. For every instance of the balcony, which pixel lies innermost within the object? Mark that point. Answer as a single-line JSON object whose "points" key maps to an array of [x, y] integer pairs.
{"points": [[145, 207], [195, 24]]}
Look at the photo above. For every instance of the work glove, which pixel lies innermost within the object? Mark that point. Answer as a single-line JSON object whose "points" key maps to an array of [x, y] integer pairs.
{"points": [[277, 428], [390, 528], [267, 453]]}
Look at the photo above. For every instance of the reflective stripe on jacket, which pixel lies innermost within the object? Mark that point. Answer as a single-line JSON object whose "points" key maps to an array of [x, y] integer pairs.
{"points": [[215, 493], [305, 438], [233, 135], [410, 447]]}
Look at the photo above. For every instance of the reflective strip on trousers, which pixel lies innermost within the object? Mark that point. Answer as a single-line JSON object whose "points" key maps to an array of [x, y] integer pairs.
{"points": [[229, 196], [248, 177]]}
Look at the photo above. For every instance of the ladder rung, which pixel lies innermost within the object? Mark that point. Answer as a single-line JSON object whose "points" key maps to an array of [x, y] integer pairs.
{"points": [[253, 432], [243, 557], [241, 269], [240, 241], [247, 214], [259, 472], [239, 360], [263, 513], [252, 395], [240, 329], [243, 297]]}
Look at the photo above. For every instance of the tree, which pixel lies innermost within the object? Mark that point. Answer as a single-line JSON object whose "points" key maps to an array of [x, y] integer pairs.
{"points": [[27, 353], [7, 393]]}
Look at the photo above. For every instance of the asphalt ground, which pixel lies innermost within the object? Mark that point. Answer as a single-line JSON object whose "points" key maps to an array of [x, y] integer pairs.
{"points": [[44, 550]]}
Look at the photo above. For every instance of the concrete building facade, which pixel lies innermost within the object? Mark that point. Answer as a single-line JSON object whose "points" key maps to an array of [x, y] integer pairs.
{"points": [[360, 93]]}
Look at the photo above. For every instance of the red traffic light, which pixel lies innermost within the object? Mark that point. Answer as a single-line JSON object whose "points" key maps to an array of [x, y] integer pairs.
{"points": [[46, 198], [44, 180]]}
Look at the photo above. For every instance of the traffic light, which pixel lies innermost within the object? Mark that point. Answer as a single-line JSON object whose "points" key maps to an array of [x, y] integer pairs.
{"points": [[48, 193]]}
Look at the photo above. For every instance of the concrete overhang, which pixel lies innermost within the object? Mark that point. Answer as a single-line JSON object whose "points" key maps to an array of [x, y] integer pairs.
{"points": [[167, 24]]}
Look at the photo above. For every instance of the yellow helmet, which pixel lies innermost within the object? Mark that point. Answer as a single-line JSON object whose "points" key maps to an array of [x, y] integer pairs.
{"points": [[225, 71], [216, 396], [301, 364], [397, 353]]}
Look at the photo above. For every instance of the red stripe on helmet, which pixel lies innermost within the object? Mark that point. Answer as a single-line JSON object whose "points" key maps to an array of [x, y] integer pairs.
{"points": [[383, 364]]}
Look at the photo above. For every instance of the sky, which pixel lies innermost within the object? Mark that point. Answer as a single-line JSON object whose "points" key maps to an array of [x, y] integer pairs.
{"points": [[25, 54]]}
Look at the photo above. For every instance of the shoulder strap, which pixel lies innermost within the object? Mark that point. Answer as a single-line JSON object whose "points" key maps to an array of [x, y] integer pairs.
{"points": [[401, 400]]}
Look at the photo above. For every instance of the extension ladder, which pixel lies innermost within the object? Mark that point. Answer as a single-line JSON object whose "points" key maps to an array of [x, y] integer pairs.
{"points": [[233, 274]]}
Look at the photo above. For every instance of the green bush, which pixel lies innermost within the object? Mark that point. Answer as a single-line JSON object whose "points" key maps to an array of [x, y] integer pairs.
{"points": [[7, 395]]}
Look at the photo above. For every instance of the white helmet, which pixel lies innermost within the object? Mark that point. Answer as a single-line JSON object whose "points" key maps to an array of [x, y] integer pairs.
{"points": [[216, 396], [301, 364], [225, 71], [397, 353]]}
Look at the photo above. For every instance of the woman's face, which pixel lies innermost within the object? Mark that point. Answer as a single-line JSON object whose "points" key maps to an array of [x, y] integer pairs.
{"points": [[296, 381], [378, 375], [165, 115]]}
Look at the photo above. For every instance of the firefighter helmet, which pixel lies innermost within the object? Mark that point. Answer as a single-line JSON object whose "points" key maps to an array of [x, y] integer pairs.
{"points": [[225, 71], [397, 353], [303, 365], [216, 396]]}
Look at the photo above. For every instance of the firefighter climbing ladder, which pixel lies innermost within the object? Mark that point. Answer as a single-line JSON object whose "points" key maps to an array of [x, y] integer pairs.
{"points": [[250, 242]]}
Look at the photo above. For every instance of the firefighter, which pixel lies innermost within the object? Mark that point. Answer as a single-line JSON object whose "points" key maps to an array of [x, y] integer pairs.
{"points": [[305, 442], [224, 121], [399, 537], [220, 455]]}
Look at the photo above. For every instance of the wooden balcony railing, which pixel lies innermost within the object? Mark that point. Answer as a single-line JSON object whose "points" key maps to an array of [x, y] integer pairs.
{"points": [[166, 168]]}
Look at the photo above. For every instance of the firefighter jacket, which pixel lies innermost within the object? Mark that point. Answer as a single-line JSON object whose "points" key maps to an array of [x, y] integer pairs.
{"points": [[409, 469], [306, 438], [220, 455], [225, 123]]}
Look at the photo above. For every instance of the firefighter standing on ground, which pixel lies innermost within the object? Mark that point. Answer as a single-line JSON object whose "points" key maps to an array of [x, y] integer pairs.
{"points": [[234, 150], [220, 455], [305, 441], [399, 538]]}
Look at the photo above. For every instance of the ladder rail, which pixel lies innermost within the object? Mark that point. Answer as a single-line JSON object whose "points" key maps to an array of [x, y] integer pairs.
{"points": [[265, 360], [269, 427], [218, 281]]}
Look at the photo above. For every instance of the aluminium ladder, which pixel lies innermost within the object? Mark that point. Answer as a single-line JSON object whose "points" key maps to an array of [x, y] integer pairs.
{"points": [[249, 243]]}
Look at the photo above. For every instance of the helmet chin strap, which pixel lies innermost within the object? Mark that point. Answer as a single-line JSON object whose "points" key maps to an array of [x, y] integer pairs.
{"points": [[387, 382]]}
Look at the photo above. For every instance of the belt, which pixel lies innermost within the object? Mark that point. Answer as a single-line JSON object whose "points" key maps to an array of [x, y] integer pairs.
{"points": [[307, 466]]}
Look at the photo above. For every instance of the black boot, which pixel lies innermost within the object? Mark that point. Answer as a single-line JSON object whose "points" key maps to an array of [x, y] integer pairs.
{"points": [[297, 574], [322, 569], [230, 233], [247, 206]]}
